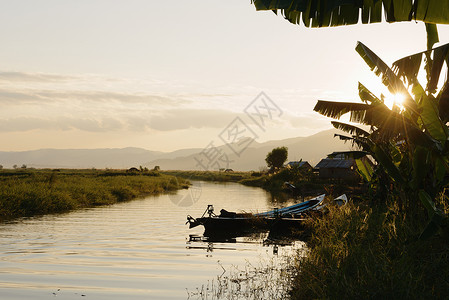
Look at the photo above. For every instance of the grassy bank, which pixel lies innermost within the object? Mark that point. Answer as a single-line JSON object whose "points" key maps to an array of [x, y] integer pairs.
{"points": [[210, 175], [307, 185], [35, 192], [372, 252]]}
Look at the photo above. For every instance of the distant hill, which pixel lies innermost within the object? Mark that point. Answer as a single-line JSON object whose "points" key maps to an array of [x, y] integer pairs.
{"points": [[78, 158], [311, 148]]}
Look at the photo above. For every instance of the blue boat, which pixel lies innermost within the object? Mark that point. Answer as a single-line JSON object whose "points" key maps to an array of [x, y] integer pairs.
{"points": [[294, 209]]}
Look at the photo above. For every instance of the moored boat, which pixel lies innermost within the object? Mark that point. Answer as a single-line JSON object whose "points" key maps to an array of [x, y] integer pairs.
{"points": [[229, 222]]}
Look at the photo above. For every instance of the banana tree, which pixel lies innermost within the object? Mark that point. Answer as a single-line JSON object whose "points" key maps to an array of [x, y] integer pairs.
{"points": [[410, 143], [324, 13]]}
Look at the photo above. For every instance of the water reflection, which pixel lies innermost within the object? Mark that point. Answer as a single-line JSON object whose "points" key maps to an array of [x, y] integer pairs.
{"points": [[132, 250], [272, 239]]}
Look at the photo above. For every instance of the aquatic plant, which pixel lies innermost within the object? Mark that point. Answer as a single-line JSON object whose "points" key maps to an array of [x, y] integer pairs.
{"points": [[270, 278]]}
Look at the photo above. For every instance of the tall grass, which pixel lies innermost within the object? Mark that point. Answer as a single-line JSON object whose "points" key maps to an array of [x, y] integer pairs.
{"points": [[211, 175], [271, 278], [32, 192], [362, 252]]}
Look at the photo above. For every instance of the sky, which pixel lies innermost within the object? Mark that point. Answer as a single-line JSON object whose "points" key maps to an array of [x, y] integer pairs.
{"points": [[167, 75]]}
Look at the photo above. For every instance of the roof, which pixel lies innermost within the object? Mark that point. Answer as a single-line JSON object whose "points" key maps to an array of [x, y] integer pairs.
{"points": [[335, 163], [298, 163]]}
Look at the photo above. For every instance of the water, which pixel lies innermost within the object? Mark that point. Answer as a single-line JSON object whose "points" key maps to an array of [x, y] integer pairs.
{"points": [[133, 250]]}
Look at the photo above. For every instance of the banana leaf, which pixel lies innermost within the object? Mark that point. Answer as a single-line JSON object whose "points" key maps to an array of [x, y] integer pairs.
{"points": [[368, 97], [323, 13], [408, 67], [337, 109], [430, 116], [420, 167], [437, 218], [350, 129], [365, 169], [389, 78], [385, 160]]}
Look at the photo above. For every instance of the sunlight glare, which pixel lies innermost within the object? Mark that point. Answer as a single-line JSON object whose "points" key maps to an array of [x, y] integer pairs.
{"points": [[396, 99]]}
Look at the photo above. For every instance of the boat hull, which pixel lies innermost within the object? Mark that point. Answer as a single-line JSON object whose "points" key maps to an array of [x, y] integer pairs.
{"points": [[229, 226]]}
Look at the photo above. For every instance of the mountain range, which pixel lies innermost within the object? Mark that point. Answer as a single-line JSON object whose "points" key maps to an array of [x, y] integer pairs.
{"points": [[312, 149]]}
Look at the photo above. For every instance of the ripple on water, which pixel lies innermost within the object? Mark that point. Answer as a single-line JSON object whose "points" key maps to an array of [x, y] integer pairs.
{"points": [[133, 250]]}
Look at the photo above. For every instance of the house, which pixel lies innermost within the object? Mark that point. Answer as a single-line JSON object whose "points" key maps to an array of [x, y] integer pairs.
{"points": [[337, 167], [132, 170], [302, 165]]}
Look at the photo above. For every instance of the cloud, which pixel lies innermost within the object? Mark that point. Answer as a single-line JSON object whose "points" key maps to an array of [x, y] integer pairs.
{"points": [[17, 97], [32, 101], [309, 121], [33, 77], [171, 120], [22, 124], [192, 118], [41, 97]]}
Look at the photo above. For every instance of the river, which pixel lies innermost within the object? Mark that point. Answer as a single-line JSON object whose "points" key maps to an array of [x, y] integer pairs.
{"points": [[134, 250]]}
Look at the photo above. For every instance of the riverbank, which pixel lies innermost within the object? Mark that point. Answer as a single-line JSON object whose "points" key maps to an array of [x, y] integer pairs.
{"points": [[29, 192], [372, 251], [307, 185], [368, 249], [211, 175]]}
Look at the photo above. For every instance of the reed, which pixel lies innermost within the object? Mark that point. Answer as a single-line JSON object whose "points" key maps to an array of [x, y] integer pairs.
{"points": [[270, 278], [36, 192], [372, 252], [210, 175]]}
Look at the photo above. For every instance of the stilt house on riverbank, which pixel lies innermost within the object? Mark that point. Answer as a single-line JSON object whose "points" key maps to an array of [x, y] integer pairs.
{"points": [[302, 165], [337, 167]]}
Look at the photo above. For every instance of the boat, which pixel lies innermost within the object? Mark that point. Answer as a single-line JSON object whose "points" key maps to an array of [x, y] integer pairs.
{"points": [[341, 200], [230, 222], [296, 208]]}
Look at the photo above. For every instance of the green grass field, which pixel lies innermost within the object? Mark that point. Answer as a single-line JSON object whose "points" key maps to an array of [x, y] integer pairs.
{"points": [[35, 192]]}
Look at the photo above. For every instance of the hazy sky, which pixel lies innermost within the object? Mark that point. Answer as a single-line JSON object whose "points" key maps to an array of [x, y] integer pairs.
{"points": [[165, 75]]}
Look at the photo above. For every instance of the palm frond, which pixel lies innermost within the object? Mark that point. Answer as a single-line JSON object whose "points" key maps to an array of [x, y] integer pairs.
{"points": [[344, 137], [443, 103], [350, 129], [368, 97], [389, 78], [408, 67], [440, 55], [324, 13], [361, 142], [337, 109]]}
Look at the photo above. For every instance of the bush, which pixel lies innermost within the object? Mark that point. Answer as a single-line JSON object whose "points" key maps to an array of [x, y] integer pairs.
{"points": [[123, 193], [371, 253]]}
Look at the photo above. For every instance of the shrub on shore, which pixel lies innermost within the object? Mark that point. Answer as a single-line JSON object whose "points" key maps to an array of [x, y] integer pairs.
{"points": [[363, 252]]}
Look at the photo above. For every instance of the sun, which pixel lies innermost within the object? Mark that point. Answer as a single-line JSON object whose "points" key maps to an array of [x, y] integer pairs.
{"points": [[395, 100]]}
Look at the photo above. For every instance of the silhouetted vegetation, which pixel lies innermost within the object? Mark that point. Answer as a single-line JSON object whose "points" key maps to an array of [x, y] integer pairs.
{"points": [[394, 243], [366, 251], [276, 158], [210, 175], [307, 183]]}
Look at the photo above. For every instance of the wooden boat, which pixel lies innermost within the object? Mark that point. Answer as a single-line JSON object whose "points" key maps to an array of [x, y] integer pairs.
{"points": [[341, 200], [231, 222], [296, 208]]}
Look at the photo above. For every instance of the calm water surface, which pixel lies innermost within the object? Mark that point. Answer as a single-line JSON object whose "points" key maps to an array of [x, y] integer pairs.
{"points": [[133, 250]]}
